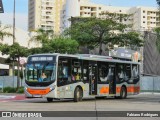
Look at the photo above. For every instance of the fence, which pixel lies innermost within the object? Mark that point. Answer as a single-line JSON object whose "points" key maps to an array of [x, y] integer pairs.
{"points": [[8, 81], [147, 83], [150, 84]]}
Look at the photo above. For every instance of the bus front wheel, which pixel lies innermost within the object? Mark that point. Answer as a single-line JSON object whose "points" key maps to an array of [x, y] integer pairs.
{"points": [[78, 94], [49, 99], [123, 93]]}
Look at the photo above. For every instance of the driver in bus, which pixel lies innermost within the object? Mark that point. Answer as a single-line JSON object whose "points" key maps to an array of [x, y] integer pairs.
{"points": [[43, 76]]}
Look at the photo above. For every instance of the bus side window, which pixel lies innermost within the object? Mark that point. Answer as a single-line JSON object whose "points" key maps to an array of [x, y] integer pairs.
{"points": [[64, 66], [103, 72], [85, 71], [120, 74], [127, 72], [76, 72], [135, 71]]}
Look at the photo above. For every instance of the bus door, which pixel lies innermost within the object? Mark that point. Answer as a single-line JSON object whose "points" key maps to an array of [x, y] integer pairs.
{"points": [[112, 81], [93, 78]]}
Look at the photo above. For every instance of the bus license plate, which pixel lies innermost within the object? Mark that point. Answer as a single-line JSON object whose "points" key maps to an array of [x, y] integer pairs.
{"points": [[37, 95]]}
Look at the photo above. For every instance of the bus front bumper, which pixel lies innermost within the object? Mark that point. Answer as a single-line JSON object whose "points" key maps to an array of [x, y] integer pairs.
{"points": [[39, 93]]}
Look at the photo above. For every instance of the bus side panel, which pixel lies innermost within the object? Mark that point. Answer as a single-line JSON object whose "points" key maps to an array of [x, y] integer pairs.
{"points": [[67, 91], [103, 90], [132, 89]]}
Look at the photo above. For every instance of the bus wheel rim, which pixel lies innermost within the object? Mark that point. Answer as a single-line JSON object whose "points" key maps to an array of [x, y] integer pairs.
{"points": [[123, 93], [78, 94]]}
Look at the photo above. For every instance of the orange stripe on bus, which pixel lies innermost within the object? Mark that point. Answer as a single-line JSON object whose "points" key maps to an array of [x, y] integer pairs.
{"points": [[38, 91], [131, 89], [104, 90], [118, 89]]}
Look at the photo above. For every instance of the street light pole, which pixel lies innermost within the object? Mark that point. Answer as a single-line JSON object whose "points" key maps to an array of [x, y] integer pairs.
{"points": [[14, 21], [13, 35]]}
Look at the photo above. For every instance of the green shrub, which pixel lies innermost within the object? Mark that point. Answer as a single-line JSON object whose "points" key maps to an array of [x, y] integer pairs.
{"points": [[20, 90], [9, 90]]}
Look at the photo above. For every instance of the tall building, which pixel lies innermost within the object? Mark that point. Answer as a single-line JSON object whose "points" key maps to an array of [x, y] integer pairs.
{"points": [[45, 14], [142, 18], [54, 14]]}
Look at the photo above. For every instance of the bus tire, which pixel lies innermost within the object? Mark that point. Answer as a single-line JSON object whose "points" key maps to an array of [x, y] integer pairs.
{"points": [[78, 94], [123, 93], [49, 99]]}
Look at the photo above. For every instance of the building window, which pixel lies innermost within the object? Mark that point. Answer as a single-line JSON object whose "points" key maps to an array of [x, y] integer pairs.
{"points": [[99, 8], [144, 22], [143, 11], [120, 10], [144, 17]]}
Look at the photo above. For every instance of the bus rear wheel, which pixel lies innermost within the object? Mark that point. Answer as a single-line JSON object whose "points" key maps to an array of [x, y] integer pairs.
{"points": [[78, 94], [123, 93], [49, 99]]}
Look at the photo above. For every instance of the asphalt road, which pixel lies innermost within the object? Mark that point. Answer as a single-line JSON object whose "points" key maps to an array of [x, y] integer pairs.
{"points": [[141, 102]]}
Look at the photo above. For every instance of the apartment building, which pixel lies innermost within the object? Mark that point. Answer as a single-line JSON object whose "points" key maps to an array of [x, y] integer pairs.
{"points": [[55, 14], [44, 14], [142, 18]]}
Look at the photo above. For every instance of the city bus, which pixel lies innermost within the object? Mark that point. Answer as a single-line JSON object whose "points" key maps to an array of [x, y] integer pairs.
{"points": [[64, 76]]}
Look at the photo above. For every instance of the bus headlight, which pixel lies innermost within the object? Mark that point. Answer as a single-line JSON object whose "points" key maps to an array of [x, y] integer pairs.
{"points": [[25, 88], [52, 88]]}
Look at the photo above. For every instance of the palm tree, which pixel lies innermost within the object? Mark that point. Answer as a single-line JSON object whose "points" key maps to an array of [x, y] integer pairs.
{"points": [[42, 36], [3, 32]]}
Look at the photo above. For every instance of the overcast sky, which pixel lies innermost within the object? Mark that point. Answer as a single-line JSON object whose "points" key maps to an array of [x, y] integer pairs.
{"points": [[22, 9]]}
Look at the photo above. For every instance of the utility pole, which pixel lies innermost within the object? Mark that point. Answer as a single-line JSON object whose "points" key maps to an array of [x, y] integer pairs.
{"points": [[14, 21], [13, 36]]}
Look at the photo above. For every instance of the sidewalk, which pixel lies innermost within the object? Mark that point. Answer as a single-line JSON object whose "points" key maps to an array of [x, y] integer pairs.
{"points": [[151, 93], [4, 97]]}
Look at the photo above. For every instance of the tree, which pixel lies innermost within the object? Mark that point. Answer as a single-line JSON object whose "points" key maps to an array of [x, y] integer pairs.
{"points": [[131, 40], [15, 51], [3, 32], [63, 45], [42, 36], [35, 50], [93, 32], [157, 31], [51, 43]]}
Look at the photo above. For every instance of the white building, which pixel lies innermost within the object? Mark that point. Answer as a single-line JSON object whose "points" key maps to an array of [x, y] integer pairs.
{"points": [[145, 18]]}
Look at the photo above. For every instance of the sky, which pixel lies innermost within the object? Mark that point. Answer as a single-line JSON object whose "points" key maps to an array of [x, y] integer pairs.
{"points": [[22, 9]]}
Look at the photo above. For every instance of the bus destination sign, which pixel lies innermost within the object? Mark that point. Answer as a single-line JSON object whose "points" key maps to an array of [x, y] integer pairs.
{"points": [[42, 58]]}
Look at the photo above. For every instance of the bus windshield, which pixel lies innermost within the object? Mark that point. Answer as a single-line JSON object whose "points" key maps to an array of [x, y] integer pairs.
{"points": [[40, 70]]}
